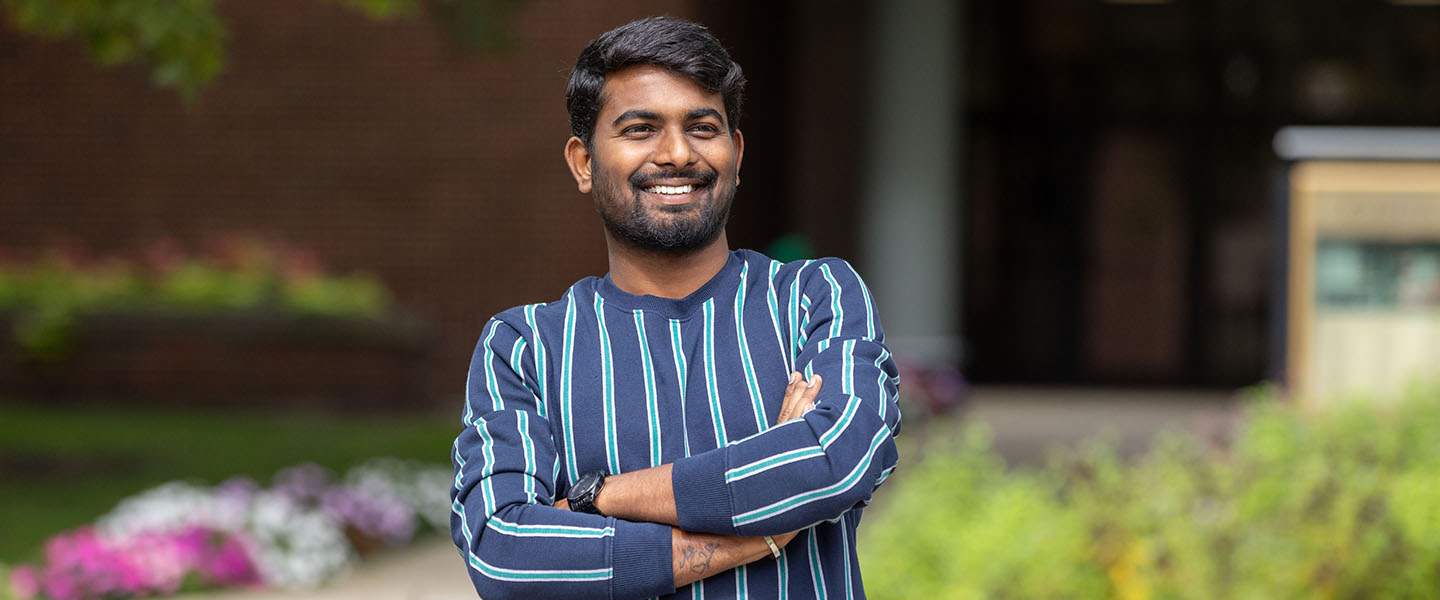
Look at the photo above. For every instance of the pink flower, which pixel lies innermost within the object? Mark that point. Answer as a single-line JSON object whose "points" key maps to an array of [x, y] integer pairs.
{"points": [[228, 564]]}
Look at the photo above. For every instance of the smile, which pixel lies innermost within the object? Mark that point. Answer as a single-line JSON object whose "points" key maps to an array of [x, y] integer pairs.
{"points": [[670, 190]]}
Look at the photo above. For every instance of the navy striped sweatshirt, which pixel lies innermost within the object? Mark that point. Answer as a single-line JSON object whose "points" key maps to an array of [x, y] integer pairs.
{"points": [[606, 380]]}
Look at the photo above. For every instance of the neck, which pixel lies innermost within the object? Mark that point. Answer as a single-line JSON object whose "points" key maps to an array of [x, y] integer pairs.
{"points": [[640, 272]]}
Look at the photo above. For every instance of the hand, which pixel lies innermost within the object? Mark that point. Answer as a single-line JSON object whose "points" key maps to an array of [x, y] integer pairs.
{"points": [[784, 538], [799, 398], [562, 504]]}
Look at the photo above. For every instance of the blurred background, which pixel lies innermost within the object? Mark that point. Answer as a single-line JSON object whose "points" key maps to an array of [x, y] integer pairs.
{"points": [[1073, 214]]}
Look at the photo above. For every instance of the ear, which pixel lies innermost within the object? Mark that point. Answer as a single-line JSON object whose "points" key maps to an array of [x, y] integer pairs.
{"points": [[578, 157], [739, 141]]}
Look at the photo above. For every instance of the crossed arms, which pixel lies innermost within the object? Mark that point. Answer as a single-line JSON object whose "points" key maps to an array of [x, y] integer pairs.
{"points": [[682, 521], [648, 495]]}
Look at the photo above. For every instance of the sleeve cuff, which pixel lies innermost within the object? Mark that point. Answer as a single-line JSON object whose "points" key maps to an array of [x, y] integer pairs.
{"points": [[702, 500], [641, 558]]}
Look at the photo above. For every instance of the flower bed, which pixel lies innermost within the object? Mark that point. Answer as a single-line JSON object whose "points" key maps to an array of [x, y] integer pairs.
{"points": [[303, 529], [249, 319]]}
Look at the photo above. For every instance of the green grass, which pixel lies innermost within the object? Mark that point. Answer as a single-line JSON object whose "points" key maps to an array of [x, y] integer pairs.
{"points": [[63, 467]]}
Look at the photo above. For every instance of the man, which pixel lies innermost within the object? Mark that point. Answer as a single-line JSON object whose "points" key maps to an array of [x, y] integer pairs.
{"points": [[651, 433]]}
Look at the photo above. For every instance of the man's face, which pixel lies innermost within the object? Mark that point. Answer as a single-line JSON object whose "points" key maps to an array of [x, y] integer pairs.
{"points": [[663, 164]]}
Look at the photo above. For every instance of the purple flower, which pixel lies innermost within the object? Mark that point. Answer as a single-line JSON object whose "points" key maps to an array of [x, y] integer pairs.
{"points": [[305, 483], [377, 516]]}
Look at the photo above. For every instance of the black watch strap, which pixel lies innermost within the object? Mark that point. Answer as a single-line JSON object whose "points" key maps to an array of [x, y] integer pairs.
{"points": [[582, 495]]}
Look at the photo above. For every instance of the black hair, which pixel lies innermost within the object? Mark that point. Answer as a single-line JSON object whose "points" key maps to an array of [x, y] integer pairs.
{"points": [[682, 47]]}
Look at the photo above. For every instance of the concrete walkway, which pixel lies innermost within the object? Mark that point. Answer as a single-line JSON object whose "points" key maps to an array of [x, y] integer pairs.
{"points": [[1027, 422]]}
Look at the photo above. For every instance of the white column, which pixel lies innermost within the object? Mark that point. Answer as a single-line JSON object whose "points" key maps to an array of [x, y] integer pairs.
{"points": [[911, 207]]}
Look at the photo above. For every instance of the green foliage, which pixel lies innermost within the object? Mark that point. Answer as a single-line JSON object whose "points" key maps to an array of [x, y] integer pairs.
{"points": [[960, 526], [183, 41], [49, 296], [1344, 504]]}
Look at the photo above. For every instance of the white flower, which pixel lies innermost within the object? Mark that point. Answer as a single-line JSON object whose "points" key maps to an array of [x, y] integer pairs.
{"points": [[424, 487], [295, 546], [172, 507]]}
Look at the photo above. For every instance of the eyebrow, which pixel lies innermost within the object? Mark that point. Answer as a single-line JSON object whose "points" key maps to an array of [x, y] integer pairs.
{"points": [[640, 113], [700, 113], [635, 113]]}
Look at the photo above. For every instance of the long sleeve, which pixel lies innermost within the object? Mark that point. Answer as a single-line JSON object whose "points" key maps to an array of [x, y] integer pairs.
{"points": [[514, 542], [818, 467]]}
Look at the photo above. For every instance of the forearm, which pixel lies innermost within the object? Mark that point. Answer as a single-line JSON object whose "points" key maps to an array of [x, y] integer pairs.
{"points": [[645, 495], [696, 556]]}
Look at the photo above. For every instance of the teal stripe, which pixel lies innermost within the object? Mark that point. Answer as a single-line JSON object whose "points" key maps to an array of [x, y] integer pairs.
{"points": [[522, 422], [805, 319], [837, 311], [741, 587], [494, 572], [883, 395], [491, 385], [678, 350], [851, 407], [550, 530], [817, 571], [771, 298], [779, 459], [805, 498], [607, 388], [883, 476], [794, 309], [847, 366], [784, 574], [487, 450], [515, 353], [459, 509], [652, 401], [752, 384], [711, 387], [845, 544], [541, 372], [469, 418], [869, 309], [567, 354]]}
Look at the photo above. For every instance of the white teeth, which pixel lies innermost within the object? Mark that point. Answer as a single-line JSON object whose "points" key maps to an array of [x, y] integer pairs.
{"points": [[671, 189]]}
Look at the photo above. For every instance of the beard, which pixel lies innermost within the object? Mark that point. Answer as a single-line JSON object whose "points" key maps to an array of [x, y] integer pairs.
{"points": [[663, 228]]}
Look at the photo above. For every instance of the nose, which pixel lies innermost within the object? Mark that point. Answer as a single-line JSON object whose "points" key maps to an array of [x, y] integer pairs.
{"points": [[675, 149]]}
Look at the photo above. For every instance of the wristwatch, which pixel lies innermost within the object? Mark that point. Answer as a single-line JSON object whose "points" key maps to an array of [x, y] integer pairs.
{"points": [[582, 495]]}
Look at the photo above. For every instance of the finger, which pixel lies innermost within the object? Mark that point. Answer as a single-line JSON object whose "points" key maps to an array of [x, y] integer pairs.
{"points": [[793, 392], [807, 397]]}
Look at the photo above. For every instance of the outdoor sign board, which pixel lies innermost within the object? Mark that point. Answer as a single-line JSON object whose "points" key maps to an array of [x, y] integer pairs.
{"points": [[1362, 268]]}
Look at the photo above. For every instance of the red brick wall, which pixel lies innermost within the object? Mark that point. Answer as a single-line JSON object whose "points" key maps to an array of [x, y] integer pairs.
{"points": [[381, 145]]}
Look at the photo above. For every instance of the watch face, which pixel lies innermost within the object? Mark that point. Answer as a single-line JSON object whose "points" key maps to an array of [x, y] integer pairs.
{"points": [[583, 493]]}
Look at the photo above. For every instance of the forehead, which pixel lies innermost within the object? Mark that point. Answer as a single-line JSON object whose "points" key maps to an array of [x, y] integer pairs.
{"points": [[654, 89]]}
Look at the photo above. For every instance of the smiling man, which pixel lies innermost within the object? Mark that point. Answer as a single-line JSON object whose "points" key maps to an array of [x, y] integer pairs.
{"points": [[701, 422]]}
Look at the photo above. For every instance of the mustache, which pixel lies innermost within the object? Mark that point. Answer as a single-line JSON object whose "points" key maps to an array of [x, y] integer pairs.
{"points": [[705, 178]]}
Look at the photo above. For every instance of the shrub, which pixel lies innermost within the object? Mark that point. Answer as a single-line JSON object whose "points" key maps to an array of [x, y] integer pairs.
{"points": [[49, 295], [1343, 504]]}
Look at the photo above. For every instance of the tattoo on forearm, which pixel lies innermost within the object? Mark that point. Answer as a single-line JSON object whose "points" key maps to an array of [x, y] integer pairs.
{"points": [[697, 557]]}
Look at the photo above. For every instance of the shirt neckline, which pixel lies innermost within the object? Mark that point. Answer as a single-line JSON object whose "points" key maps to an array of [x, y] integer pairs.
{"points": [[675, 308]]}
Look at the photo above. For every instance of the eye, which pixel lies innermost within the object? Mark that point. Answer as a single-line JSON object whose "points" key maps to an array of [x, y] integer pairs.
{"points": [[637, 131], [705, 130]]}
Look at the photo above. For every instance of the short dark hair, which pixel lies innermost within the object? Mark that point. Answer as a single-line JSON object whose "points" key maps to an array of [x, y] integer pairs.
{"points": [[679, 46]]}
